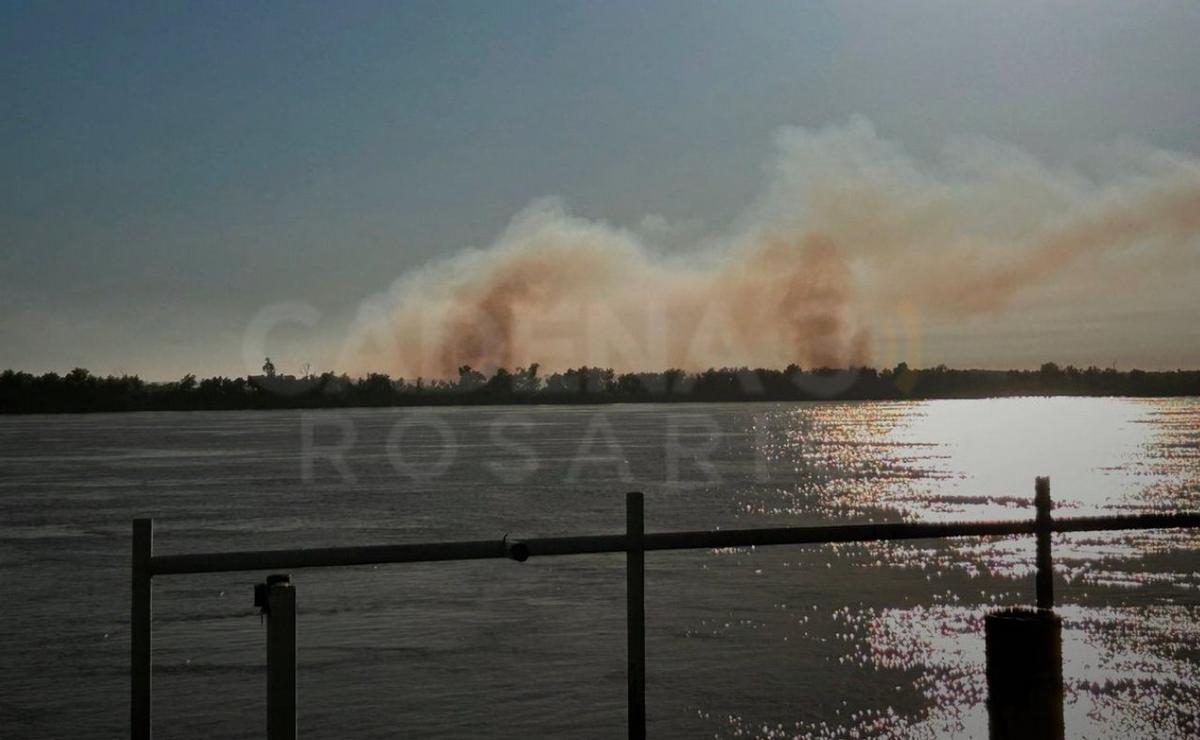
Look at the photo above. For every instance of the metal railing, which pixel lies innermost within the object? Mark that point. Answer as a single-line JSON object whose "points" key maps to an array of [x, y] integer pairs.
{"points": [[278, 596]]}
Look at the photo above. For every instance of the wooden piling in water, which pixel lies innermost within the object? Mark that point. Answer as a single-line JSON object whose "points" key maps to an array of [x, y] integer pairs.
{"points": [[280, 611], [140, 636], [635, 586], [1024, 675]]}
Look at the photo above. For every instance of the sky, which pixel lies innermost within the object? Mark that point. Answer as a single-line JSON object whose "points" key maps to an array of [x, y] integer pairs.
{"points": [[189, 186]]}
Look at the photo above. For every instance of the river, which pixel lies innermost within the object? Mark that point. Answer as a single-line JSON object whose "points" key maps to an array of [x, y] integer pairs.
{"points": [[828, 641]]}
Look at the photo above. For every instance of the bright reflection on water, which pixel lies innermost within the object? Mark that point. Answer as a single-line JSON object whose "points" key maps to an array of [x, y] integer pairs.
{"points": [[881, 639], [1128, 671]]}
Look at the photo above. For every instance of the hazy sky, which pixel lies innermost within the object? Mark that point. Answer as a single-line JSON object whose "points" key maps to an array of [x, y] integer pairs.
{"points": [[171, 171]]}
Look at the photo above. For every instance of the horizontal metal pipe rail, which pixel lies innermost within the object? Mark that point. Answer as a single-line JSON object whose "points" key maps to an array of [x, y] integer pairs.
{"points": [[218, 562], [634, 543]]}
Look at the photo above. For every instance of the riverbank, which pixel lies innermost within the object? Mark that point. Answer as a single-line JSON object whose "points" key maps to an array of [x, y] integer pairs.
{"points": [[80, 392]]}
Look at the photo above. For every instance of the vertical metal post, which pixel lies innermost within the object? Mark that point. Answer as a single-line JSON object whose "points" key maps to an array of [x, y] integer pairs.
{"points": [[139, 630], [280, 611], [1045, 565], [635, 577]]}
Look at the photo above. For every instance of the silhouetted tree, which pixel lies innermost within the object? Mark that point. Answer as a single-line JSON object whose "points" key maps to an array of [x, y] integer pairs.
{"points": [[470, 379]]}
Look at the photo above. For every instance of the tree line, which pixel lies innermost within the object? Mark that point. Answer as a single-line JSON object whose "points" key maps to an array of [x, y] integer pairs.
{"points": [[81, 391]]}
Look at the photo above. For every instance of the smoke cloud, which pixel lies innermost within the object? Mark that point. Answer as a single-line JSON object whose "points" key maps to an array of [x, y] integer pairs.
{"points": [[849, 230]]}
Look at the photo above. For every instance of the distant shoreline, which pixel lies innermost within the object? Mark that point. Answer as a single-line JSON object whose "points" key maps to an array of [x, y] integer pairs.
{"points": [[569, 403], [81, 392]]}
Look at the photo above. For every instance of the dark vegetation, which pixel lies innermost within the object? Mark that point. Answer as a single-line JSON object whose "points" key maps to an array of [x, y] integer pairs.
{"points": [[80, 391]]}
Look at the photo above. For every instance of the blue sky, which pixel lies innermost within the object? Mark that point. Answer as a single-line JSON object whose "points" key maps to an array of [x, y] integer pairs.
{"points": [[170, 168]]}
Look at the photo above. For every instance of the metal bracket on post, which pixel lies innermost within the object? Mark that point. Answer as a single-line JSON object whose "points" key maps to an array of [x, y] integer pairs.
{"points": [[635, 599], [277, 600], [515, 549]]}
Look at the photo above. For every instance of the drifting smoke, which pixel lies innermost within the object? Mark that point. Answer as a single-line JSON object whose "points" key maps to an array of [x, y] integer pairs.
{"points": [[849, 229]]}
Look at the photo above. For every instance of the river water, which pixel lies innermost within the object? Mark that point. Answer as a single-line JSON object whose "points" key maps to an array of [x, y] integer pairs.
{"points": [[828, 641]]}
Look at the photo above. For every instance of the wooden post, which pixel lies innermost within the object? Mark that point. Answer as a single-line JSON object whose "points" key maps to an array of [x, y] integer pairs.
{"points": [[1024, 675], [280, 611], [1044, 564], [635, 576], [140, 635]]}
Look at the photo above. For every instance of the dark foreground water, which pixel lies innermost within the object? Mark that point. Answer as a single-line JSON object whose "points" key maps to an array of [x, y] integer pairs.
{"points": [[849, 641]]}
